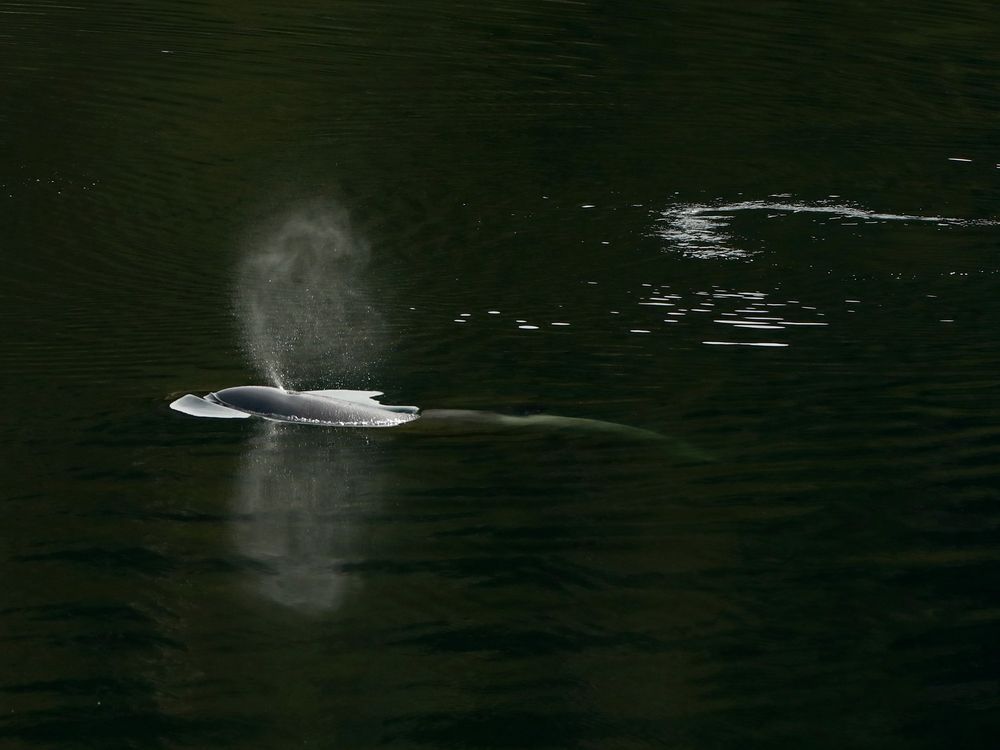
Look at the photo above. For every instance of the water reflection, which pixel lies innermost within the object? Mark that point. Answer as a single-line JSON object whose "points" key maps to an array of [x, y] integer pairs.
{"points": [[302, 496], [671, 309], [734, 310]]}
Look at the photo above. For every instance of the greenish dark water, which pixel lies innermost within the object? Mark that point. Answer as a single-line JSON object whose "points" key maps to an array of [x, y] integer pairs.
{"points": [[770, 228]]}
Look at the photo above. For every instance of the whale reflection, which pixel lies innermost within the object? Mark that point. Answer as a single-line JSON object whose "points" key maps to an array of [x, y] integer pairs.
{"points": [[300, 502]]}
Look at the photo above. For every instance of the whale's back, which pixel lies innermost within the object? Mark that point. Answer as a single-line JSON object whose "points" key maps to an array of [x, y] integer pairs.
{"points": [[335, 408]]}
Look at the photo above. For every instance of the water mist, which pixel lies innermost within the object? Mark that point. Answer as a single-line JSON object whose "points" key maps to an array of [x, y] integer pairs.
{"points": [[305, 314]]}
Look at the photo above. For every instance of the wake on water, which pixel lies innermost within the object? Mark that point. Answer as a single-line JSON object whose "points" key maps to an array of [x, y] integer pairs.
{"points": [[701, 230]]}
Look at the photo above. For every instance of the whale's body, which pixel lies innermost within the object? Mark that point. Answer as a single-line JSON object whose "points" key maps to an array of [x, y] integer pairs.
{"points": [[329, 408], [340, 408]]}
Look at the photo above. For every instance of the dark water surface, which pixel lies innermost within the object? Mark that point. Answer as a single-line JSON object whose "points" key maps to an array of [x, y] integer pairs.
{"points": [[770, 228]]}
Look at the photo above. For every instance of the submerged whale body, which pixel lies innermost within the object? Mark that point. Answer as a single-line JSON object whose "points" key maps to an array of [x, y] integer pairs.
{"points": [[331, 408]]}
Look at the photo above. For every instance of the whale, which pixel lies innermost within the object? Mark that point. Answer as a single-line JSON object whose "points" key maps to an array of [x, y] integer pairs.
{"points": [[347, 408], [331, 408]]}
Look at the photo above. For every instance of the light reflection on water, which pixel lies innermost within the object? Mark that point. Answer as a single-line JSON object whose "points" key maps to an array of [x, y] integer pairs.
{"points": [[661, 308], [685, 315]]}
